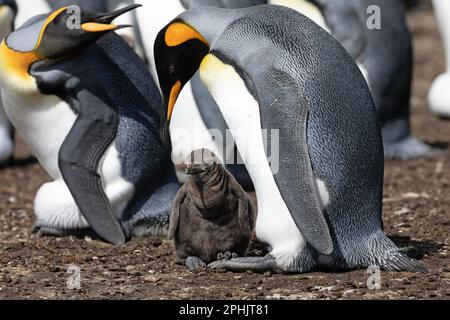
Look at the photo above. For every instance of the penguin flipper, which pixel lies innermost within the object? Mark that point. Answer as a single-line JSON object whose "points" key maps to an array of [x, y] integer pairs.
{"points": [[286, 109], [79, 157], [175, 215]]}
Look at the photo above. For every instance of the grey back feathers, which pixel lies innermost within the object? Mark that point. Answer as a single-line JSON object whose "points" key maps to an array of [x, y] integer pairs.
{"points": [[211, 214]]}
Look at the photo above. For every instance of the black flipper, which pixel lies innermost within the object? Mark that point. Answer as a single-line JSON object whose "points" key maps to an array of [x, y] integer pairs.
{"points": [[284, 107], [79, 159]]}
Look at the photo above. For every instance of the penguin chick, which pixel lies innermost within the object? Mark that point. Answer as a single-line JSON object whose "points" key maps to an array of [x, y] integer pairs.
{"points": [[8, 11], [212, 216], [439, 96]]}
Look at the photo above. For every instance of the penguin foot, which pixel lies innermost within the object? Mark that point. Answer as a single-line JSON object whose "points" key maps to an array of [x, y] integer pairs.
{"points": [[227, 256], [42, 231], [410, 148], [255, 264], [194, 264]]}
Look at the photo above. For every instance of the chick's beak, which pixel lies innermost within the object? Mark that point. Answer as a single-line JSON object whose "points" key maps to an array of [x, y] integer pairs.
{"points": [[103, 22]]}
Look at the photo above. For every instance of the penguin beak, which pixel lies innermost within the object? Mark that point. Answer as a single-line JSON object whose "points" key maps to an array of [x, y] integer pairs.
{"points": [[195, 171], [103, 22]]}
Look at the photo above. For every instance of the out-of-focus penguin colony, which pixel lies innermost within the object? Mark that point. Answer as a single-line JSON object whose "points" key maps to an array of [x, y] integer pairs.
{"points": [[215, 122]]}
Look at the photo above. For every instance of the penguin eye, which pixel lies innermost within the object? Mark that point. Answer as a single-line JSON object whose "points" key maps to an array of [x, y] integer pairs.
{"points": [[171, 69]]}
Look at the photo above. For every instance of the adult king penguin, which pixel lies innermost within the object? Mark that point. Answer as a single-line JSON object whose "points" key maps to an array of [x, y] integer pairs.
{"points": [[8, 11], [90, 112], [269, 67], [385, 58], [439, 96]]}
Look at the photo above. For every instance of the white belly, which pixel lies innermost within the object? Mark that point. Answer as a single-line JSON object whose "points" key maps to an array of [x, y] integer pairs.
{"points": [[274, 225], [43, 122]]}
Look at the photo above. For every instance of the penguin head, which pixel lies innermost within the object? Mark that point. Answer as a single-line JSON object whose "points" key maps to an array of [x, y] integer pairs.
{"points": [[52, 36], [8, 12], [179, 50], [201, 165]]}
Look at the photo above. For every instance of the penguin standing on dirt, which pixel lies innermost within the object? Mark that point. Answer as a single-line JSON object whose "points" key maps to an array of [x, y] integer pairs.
{"points": [[439, 95], [212, 216], [8, 12], [269, 67], [87, 107], [383, 51]]}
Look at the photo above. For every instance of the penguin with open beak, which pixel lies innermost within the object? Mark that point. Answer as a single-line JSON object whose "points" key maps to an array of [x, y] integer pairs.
{"points": [[8, 12], [375, 33], [89, 110], [269, 67]]}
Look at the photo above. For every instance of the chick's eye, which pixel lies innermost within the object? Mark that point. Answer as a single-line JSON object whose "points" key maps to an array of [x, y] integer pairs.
{"points": [[171, 69]]}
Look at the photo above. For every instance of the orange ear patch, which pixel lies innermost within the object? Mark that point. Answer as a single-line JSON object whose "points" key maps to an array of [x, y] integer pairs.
{"points": [[178, 33]]}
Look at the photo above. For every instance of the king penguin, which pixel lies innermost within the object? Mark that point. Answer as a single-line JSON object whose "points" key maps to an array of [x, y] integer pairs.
{"points": [[439, 95], [384, 55], [197, 122], [8, 12], [269, 67], [90, 112]]}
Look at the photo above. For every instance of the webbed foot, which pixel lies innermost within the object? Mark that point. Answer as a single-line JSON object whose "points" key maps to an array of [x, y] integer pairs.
{"points": [[256, 264]]}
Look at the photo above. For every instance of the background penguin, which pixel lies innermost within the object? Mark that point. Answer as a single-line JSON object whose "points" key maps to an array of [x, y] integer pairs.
{"points": [[90, 113], [439, 95], [211, 215], [8, 11], [197, 117], [269, 67], [384, 57]]}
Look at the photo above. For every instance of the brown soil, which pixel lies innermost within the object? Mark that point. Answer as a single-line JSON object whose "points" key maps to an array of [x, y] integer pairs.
{"points": [[416, 215]]}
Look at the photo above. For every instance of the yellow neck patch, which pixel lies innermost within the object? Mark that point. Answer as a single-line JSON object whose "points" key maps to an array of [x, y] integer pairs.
{"points": [[14, 65], [178, 33]]}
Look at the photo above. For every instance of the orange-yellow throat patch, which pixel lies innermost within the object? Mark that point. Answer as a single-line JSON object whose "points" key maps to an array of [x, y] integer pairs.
{"points": [[14, 64]]}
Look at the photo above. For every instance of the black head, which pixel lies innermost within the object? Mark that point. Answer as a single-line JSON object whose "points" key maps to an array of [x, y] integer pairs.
{"points": [[63, 32], [179, 50]]}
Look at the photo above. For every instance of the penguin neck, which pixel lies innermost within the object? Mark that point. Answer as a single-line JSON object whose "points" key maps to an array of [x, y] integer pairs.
{"points": [[209, 194], [14, 69]]}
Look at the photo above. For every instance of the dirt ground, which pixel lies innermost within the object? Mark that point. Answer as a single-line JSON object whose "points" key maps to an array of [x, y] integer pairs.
{"points": [[416, 215]]}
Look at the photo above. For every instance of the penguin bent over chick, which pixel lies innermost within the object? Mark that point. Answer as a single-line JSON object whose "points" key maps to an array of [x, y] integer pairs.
{"points": [[212, 215], [89, 110], [270, 67]]}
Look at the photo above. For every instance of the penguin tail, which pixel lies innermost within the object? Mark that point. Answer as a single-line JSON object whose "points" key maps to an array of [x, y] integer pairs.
{"points": [[388, 256], [398, 261]]}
